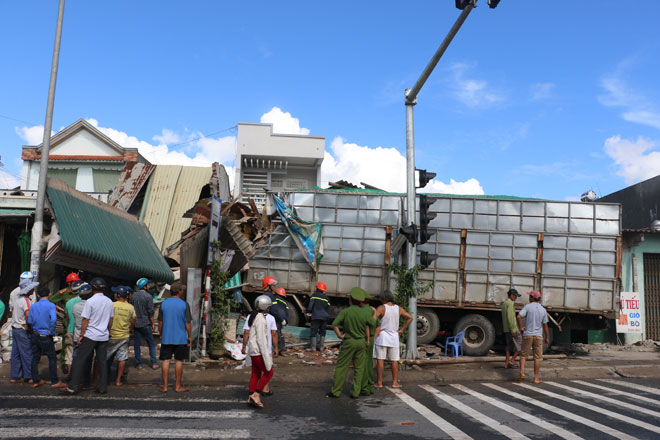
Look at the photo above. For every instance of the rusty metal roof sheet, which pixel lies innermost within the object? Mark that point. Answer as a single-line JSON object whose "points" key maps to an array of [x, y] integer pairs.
{"points": [[172, 191], [132, 179]]}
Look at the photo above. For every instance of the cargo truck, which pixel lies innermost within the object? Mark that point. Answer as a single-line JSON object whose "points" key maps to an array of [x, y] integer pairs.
{"points": [[570, 251]]}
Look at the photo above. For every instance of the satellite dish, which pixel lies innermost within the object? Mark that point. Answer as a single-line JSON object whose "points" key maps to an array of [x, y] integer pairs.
{"points": [[588, 196]]}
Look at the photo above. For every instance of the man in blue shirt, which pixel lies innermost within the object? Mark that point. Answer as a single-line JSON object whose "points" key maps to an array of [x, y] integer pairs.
{"points": [[174, 326], [42, 319]]}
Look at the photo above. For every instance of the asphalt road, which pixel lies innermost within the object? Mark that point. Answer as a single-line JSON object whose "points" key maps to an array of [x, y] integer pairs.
{"points": [[589, 409]]}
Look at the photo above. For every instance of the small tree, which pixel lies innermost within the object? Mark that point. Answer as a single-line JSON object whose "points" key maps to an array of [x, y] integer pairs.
{"points": [[220, 301], [408, 285]]}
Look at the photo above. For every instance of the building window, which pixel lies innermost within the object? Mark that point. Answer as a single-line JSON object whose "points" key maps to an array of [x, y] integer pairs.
{"points": [[105, 180], [67, 176]]}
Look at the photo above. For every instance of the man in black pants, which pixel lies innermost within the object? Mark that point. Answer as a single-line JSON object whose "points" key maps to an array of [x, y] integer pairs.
{"points": [[94, 334], [318, 311]]}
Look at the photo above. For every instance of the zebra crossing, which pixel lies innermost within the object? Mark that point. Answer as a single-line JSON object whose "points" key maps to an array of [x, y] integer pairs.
{"points": [[120, 417], [571, 410]]}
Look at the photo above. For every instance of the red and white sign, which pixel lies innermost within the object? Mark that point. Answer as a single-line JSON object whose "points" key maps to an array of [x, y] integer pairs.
{"points": [[630, 315]]}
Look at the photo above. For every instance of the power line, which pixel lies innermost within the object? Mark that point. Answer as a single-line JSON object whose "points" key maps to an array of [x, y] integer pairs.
{"points": [[18, 120], [233, 127]]}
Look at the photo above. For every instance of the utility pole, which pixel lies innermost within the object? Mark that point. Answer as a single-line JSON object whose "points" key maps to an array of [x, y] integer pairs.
{"points": [[38, 227], [410, 101]]}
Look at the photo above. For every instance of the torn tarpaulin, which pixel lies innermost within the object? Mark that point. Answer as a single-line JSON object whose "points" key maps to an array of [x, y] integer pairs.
{"points": [[306, 235]]}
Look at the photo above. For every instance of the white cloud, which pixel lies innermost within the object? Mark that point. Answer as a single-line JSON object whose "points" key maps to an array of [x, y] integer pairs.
{"points": [[32, 135], [636, 160], [384, 168], [208, 150], [541, 90], [650, 118], [473, 93], [167, 137], [636, 107], [470, 186], [283, 122]]}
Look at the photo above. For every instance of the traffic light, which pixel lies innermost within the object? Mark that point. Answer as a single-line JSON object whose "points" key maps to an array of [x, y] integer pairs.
{"points": [[425, 217], [462, 4], [492, 4], [424, 177], [425, 259], [410, 232]]}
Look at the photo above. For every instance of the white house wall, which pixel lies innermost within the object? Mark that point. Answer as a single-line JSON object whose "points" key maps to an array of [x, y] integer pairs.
{"points": [[84, 143]]}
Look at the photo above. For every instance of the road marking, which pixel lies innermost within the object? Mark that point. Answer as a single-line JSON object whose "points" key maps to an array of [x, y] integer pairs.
{"points": [[78, 432], [493, 424], [623, 393], [626, 405], [567, 414], [561, 432], [432, 417], [115, 398], [595, 408], [632, 385], [80, 412]]}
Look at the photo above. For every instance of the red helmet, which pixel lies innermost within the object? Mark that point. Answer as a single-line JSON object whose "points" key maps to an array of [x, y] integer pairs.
{"points": [[269, 281], [72, 277], [280, 292], [321, 286]]}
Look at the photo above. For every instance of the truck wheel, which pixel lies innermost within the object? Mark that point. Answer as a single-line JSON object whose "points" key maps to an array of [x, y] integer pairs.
{"points": [[428, 326], [479, 334], [294, 318]]}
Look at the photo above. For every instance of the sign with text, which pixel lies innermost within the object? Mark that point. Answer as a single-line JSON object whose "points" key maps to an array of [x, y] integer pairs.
{"points": [[630, 315]]}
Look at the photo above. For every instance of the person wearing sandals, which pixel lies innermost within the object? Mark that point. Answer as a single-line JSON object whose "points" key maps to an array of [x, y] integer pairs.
{"points": [[259, 350], [387, 337], [536, 325], [510, 327]]}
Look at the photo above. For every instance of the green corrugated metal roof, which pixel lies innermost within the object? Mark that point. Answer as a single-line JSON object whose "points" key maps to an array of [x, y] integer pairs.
{"points": [[95, 234]]}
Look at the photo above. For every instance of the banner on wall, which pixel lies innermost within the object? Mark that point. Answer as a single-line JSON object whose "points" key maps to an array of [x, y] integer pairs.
{"points": [[630, 315]]}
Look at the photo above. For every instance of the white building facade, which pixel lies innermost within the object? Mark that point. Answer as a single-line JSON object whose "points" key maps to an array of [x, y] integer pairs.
{"points": [[80, 156], [277, 162]]}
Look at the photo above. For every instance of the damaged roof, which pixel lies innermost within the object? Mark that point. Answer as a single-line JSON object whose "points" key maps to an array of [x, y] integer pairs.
{"points": [[131, 180], [98, 238], [171, 192]]}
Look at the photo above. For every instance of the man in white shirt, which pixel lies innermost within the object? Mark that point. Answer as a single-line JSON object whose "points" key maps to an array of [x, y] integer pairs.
{"points": [[536, 325], [94, 334], [21, 348]]}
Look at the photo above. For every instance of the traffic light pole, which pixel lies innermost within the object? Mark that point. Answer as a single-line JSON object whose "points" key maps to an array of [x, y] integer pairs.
{"points": [[411, 100], [38, 226]]}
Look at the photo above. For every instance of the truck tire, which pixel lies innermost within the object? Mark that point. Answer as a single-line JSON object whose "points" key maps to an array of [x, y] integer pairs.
{"points": [[479, 334], [428, 326], [294, 317]]}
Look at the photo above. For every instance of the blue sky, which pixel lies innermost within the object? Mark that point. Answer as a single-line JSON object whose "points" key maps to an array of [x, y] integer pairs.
{"points": [[539, 99]]}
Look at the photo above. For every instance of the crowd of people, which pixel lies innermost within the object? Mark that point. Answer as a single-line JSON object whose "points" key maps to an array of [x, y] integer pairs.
{"points": [[98, 322], [98, 330]]}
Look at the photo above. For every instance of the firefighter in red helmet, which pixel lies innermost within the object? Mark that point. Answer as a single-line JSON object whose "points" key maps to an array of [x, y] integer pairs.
{"points": [[318, 311], [280, 311]]}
